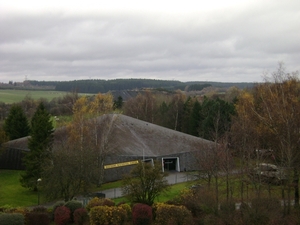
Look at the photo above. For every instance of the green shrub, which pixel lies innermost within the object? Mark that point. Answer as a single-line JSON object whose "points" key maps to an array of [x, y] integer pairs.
{"points": [[11, 219], [109, 215], [73, 205], [172, 214], [141, 214], [58, 203]]}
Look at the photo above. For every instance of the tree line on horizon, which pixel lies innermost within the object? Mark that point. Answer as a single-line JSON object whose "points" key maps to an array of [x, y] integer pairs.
{"points": [[103, 86]]}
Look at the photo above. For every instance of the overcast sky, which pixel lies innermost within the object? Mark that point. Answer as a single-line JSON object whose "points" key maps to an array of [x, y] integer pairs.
{"points": [[210, 40]]}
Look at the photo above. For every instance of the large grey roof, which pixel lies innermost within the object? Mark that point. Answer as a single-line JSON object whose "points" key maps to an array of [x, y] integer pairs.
{"points": [[133, 137], [20, 143], [137, 137]]}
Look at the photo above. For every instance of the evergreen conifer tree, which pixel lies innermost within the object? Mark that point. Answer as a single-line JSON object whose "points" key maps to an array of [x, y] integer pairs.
{"points": [[16, 124], [195, 119], [40, 144]]}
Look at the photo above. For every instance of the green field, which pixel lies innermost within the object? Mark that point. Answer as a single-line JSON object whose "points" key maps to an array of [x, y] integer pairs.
{"points": [[12, 193], [13, 96]]}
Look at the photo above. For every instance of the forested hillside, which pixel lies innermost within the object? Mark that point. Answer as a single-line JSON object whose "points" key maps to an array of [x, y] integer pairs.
{"points": [[103, 86]]}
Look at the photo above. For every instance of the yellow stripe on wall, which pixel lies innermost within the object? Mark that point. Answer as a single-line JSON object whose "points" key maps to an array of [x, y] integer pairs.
{"points": [[121, 164]]}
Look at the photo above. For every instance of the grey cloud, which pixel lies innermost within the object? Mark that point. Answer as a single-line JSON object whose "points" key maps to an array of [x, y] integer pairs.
{"points": [[227, 46]]}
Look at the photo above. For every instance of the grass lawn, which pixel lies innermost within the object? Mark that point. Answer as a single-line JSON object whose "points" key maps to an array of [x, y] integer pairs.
{"points": [[110, 185], [174, 191], [11, 191], [13, 194]]}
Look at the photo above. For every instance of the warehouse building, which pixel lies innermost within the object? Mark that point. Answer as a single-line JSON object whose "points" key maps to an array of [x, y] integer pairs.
{"points": [[132, 140]]}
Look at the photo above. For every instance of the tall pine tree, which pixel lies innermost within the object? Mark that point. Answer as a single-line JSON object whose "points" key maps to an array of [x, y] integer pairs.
{"points": [[16, 124], [216, 118], [40, 144], [195, 119]]}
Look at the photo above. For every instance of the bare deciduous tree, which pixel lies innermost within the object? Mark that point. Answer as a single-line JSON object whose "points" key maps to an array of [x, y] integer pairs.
{"points": [[271, 112], [81, 147]]}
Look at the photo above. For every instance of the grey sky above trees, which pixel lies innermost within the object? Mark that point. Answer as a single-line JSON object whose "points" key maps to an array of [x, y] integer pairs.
{"points": [[230, 41]]}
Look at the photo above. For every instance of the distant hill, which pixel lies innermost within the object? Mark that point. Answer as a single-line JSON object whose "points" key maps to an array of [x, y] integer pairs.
{"points": [[117, 85]]}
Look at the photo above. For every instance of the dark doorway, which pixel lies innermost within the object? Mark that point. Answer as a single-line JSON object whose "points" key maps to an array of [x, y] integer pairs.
{"points": [[170, 164]]}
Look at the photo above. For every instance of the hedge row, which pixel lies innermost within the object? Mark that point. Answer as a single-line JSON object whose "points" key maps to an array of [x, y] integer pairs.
{"points": [[99, 212], [11, 219]]}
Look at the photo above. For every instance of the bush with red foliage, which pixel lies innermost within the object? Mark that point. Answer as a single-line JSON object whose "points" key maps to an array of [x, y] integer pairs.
{"points": [[73, 205], [81, 216], [62, 215], [141, 214]]}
